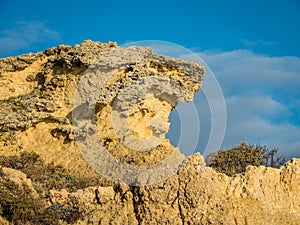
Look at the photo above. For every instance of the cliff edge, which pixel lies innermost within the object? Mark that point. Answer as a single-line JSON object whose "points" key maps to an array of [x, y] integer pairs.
{"points": [[46, 112]]}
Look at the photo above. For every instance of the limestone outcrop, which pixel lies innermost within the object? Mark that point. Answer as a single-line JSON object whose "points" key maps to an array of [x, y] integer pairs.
{"points": [[51, 102]]}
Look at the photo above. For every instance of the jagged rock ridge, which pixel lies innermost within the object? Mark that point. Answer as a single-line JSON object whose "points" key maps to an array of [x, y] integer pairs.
{"points": [[37, 93]]}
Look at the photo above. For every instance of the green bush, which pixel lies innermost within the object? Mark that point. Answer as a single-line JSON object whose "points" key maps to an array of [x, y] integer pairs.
{"points": [[236, 159]]}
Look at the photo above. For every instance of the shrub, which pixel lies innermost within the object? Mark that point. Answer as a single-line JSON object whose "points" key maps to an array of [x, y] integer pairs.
{"points": [[236, 159]]}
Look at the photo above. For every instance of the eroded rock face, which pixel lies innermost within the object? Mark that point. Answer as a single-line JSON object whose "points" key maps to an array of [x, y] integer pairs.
{"points": [[39, 117], [37, 95], [196, 195]]}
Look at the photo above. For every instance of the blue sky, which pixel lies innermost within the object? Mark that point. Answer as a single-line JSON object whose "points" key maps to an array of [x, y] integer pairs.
{"points": [[251, 46], [267, 27]]}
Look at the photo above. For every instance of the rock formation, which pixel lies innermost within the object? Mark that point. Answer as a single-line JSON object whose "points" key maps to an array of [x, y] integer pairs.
{"points": [[38, 114]]}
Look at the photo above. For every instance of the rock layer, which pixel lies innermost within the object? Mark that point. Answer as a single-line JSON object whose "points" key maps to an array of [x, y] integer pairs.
{"points": [[36, 97]]}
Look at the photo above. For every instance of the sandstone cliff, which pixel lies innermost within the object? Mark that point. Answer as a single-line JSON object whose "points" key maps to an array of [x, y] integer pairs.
{"points": [[37, 114]]}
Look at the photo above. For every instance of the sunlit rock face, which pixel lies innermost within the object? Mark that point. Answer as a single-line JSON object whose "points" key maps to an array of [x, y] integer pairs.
{"points": [[45, 110]]}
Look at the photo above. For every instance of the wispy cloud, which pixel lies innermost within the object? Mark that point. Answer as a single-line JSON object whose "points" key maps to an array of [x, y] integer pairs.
{"points": [[251, 43], [24, 35]]}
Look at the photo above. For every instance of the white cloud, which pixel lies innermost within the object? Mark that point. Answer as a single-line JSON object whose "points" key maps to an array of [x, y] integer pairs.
{"points": [[254, 119], [260, 106], [262, 97], [24, 35]]}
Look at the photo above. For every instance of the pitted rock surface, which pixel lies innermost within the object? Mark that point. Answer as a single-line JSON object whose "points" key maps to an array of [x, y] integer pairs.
{"points": [[36, 105]]}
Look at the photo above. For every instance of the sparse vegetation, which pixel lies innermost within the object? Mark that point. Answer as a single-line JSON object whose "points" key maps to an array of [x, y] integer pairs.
{"points": [[45, 176], [236, 159], [68, 214], [19, 207]]}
